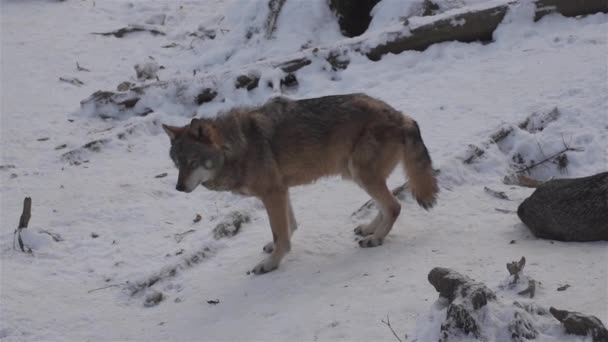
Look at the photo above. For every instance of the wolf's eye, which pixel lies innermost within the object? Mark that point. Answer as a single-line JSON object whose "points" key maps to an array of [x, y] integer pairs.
{"points": [[208, 164], [193, 163]]}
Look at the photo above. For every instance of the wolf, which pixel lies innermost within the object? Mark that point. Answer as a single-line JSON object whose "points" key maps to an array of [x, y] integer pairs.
{"points": [[263, 151]]}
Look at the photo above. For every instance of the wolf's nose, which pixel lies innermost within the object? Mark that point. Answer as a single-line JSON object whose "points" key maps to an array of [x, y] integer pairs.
{"points": [[180, 187]]}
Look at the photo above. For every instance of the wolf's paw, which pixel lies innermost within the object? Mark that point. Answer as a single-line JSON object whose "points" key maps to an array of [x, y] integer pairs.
{"points": [[267, 265], [370, 241], [269, 247], [364, 230]]}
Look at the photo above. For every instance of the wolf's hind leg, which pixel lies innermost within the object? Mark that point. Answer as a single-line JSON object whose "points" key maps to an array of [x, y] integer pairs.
{"points": [[389, 211], [293, 225], [370, 228]]}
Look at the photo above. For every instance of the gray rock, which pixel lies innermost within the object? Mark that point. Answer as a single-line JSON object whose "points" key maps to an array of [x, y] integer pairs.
{"points": [[568, 209]]}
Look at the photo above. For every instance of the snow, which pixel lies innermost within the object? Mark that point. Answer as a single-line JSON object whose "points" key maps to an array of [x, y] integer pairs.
{"points": [[327, 288]]}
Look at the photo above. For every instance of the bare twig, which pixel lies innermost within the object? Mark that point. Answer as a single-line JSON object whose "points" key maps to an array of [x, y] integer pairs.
{"points": [[498, 194], [56, 237], [79, 68], [180, 236], [388, 324], [17, 239], [564, 140], [566, 149], [540, 148], [72, 80], [105, 287]]}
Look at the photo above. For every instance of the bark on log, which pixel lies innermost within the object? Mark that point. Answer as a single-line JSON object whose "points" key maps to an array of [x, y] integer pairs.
{"points": [[451, 284], [479, 25], [522, 328], [458, 318], [580, 324]]}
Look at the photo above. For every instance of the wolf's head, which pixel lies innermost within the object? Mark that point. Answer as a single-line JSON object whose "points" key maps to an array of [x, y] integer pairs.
{"points": [[196, 152]]}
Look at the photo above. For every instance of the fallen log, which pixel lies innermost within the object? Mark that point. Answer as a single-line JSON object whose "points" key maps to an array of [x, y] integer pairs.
{"points": [[528, 320], [580, 324], [451, 285], [478, 25], [465, 25], [536, 122]]}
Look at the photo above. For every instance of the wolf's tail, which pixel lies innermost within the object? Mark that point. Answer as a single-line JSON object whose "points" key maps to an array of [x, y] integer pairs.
{"points": [[419, 167]]}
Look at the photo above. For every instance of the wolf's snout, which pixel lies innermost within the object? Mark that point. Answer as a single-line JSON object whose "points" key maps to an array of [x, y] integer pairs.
{"points": [[180, 187]]}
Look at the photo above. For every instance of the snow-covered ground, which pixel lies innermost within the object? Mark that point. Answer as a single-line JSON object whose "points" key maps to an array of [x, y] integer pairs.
{"points": [[327, 288]]}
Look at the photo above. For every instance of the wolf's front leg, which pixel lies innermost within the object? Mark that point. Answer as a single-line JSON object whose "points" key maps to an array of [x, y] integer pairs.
{"points": [[293, 225], [276, 203]]}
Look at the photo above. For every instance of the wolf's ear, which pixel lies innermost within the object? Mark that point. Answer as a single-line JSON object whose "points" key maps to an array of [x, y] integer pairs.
{"points": [[206, 132], [173, 132]]}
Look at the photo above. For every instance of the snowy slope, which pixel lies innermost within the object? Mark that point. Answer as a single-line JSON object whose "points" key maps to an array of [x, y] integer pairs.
{"points": [[327, 288]]}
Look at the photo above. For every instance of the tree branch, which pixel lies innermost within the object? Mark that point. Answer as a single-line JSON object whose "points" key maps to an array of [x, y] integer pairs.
{"points": [[24, 220], [388, 324], [105, 287], [566, 149]]}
